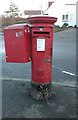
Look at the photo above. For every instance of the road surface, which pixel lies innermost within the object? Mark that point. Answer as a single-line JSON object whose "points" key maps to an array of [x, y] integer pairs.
{"points": [[64, 59], [16, 103]]}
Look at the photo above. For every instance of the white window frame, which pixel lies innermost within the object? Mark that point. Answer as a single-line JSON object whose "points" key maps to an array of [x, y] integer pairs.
{"points": [[65, 17]]}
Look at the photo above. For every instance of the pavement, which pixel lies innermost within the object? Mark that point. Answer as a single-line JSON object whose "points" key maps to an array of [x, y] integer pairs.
{"points": [[16, 80], [17, 103]]}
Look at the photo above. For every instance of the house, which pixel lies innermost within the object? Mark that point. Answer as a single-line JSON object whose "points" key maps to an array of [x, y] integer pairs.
{"points": [[28, 13], [65, 11]]}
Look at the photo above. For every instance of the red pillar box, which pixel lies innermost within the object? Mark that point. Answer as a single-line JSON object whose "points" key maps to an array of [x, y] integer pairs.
{"points": [[17, 43], [41, 52]]}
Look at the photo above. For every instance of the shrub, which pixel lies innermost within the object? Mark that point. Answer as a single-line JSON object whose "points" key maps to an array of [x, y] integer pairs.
{"points": [[65, 25], [75, 26]]}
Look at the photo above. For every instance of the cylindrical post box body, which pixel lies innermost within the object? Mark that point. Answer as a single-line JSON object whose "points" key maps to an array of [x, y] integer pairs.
{"points": [[41, 48], [42, 42]]}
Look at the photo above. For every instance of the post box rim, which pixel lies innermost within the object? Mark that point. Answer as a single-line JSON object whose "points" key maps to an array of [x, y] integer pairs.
{"points": [[41, 19], [42, 16]]}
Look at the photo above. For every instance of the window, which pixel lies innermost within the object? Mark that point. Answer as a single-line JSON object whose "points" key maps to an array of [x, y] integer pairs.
{"points": [[65, 17]]}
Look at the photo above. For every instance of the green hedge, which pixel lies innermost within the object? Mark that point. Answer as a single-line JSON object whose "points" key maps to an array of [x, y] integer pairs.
{"points": [[19, 22], [4, 24]]}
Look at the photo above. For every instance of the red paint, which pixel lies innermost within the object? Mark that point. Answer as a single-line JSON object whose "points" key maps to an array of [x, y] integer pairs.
{"points": [[42, 60], [17, 43]]}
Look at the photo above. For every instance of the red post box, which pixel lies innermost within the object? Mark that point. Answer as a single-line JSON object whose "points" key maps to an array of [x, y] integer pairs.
{"points": [[41, 52], [17, 43], [37, 39]]}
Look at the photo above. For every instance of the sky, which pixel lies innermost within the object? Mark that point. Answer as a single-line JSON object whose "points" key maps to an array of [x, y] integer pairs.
{"points": [[28, 4]]}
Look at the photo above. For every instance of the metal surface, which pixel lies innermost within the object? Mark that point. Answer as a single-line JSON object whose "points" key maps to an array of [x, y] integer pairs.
{"points": [[42, 20], [17, 43], [42, 44], [18, 48]]}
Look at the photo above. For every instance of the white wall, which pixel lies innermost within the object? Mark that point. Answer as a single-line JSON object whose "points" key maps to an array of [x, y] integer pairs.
{"points": [[71, 11], [59, 8], [77, 13], [56, 11]]}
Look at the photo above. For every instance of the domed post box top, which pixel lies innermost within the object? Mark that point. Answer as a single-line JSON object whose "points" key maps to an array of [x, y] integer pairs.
{"points": [[41, 20]]}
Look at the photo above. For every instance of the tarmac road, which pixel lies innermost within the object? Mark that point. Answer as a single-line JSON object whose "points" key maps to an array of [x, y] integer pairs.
{"points": [[64, 57], [16, 103], [64, 60]]}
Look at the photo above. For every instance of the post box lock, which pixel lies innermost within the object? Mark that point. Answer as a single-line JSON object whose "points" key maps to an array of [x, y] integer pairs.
{"points": [[48, 60]]}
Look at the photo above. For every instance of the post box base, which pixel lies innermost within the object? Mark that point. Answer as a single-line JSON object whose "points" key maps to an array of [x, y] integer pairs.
{"points": [[40, 91]]}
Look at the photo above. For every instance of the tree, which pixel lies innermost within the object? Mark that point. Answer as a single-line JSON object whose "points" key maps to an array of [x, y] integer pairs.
{"points": [[7, 12], [13, 10]]}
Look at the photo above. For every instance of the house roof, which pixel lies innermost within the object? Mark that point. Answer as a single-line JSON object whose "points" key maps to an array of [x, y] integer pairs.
{"points": [[32, 12]]}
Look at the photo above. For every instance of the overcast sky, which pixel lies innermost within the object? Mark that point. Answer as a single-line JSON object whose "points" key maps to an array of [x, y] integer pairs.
{"points": [[29, 4]]}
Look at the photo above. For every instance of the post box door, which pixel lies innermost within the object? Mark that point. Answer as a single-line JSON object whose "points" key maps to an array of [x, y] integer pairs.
{"points": [[17, 43], [42, 43]]}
